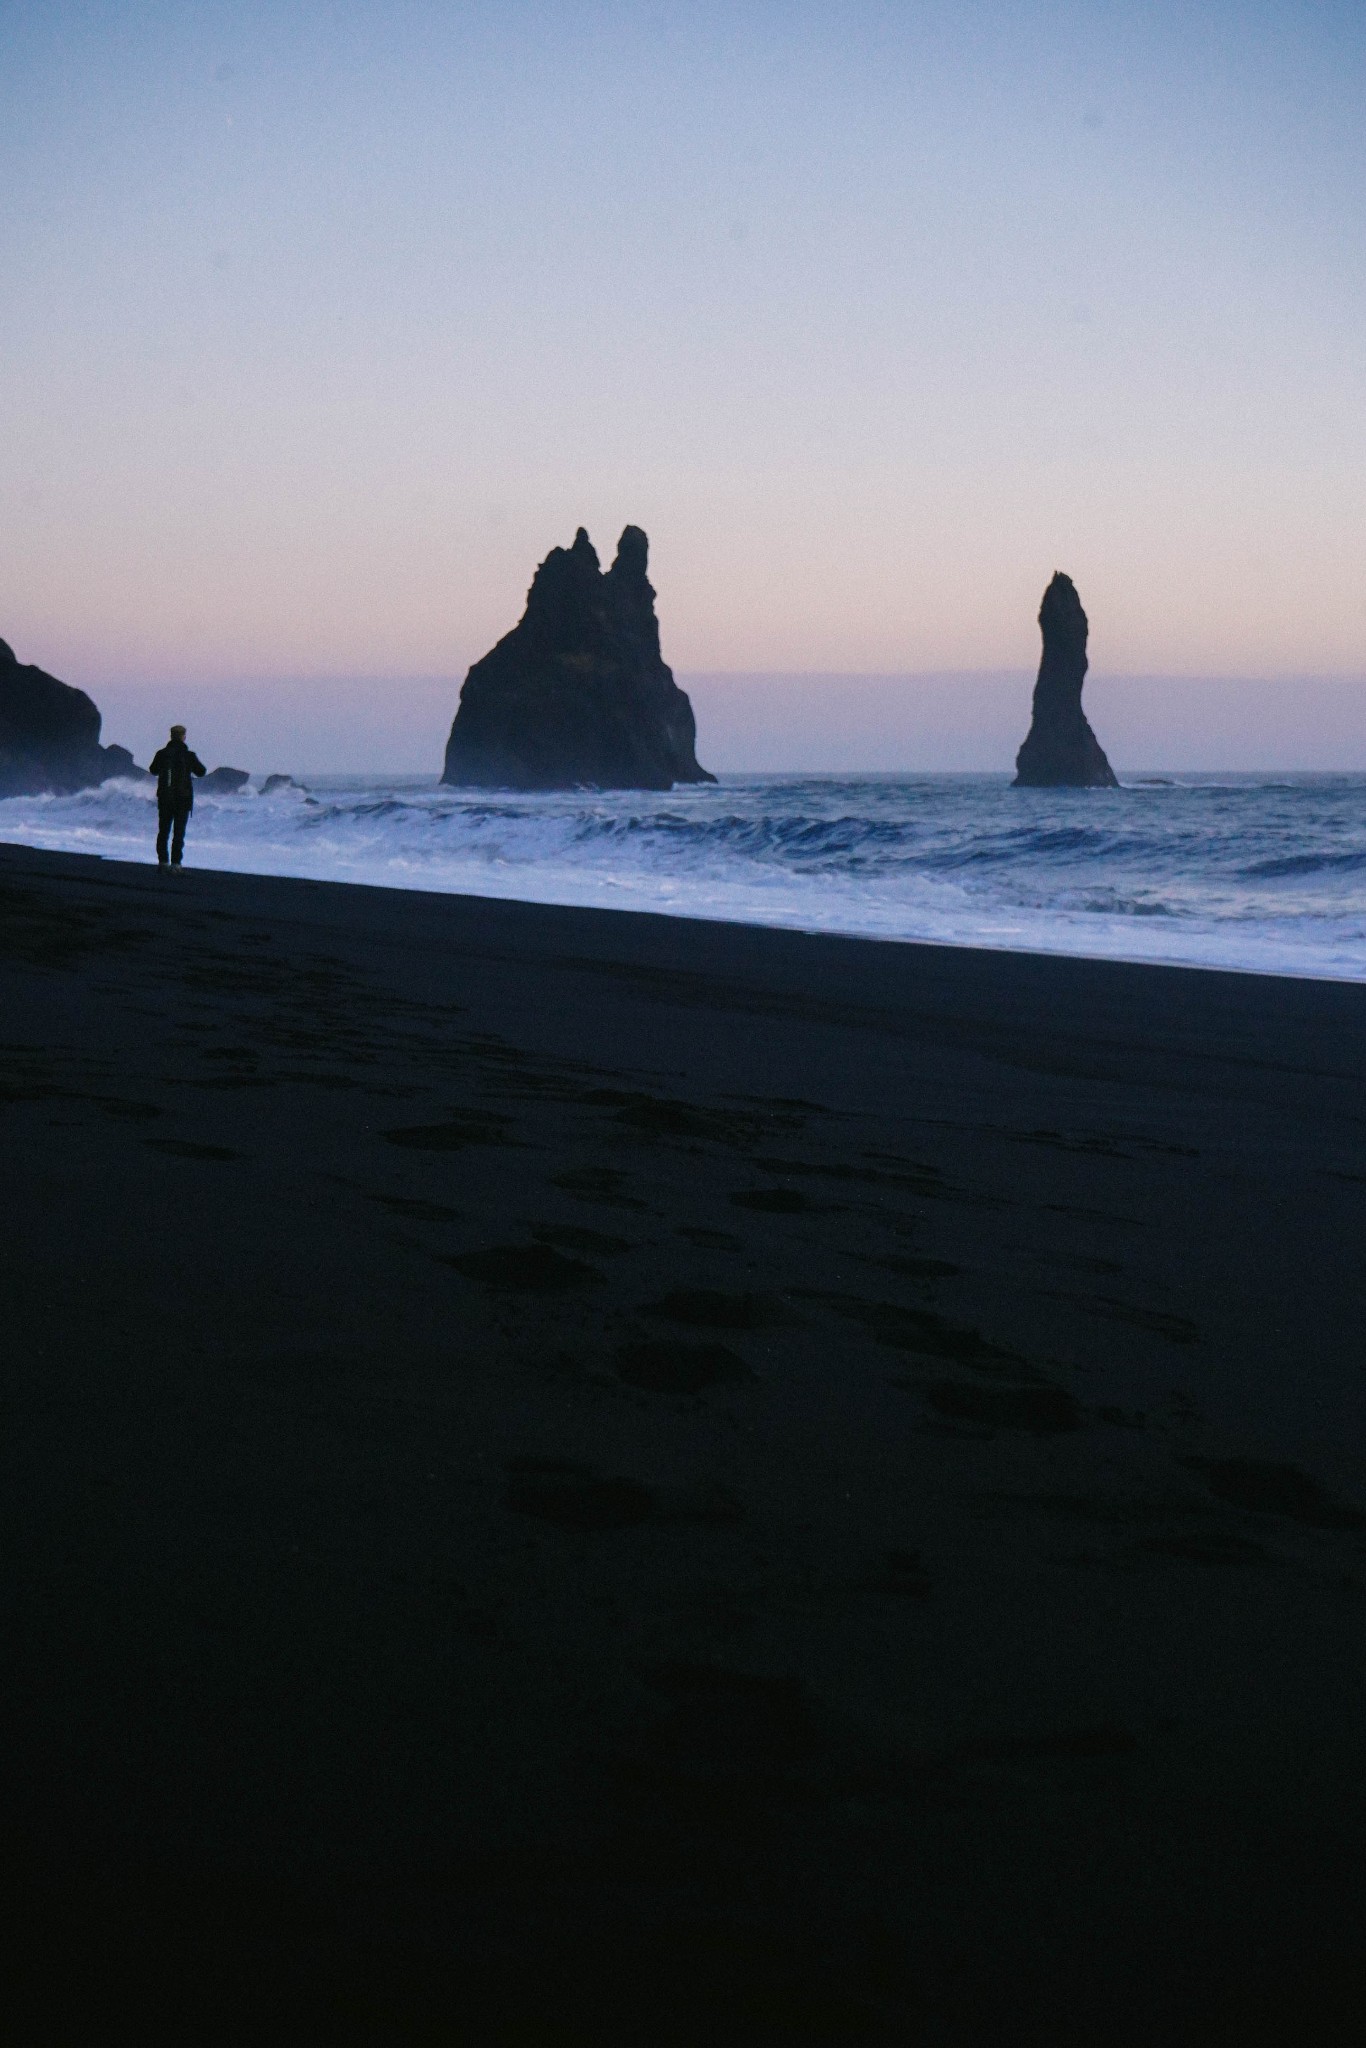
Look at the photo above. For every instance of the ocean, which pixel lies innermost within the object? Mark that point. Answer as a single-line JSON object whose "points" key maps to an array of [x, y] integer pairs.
{"points": [[1260, 872]]}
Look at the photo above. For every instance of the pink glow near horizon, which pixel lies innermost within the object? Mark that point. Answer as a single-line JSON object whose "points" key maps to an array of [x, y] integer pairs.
{"points": [[969, 720]]}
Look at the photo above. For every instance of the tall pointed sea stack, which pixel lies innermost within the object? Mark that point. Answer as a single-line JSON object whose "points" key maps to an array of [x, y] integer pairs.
{"points": [[1061, 751], [50, 734], [577, 694]]}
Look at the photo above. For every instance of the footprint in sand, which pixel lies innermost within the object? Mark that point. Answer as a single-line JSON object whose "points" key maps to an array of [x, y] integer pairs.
{"points": [[1041, 1410], [708, 1308], [557, 1490], [525, 1269], [670, 1366], [575, 1238], [458, 1131], [1272, 1489], [185, 1148]]}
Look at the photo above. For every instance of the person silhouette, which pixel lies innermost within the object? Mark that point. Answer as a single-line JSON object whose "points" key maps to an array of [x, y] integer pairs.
{"points": [[173, 766]]}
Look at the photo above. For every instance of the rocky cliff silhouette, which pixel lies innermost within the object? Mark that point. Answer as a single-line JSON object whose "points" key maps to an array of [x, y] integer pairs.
{"points": [[578, 693], [1060, 750], [50, 734]]}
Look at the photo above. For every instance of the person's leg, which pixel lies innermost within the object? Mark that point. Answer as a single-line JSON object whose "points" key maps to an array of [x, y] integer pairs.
{"points": [[182, 819], [163, 831]]}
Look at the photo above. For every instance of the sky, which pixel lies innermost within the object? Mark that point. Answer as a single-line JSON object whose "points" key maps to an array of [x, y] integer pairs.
{"points": [[322, 323]]}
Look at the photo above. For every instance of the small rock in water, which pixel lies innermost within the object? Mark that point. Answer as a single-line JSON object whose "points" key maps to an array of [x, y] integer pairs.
{"points": [[225, 781]]}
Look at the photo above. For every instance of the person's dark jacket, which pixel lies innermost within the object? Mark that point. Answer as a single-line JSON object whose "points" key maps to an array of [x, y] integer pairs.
{"points": [[173, 766]]}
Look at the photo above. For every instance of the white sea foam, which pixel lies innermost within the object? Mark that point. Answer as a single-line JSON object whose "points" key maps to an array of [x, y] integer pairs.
{"points": [[1256, 872]]}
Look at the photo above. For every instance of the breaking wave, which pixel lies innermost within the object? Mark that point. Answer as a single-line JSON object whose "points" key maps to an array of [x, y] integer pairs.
{"points": [[1261, 873]]}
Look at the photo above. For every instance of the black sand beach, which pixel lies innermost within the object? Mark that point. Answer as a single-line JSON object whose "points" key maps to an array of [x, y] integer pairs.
{"points": [[582, 1478]]}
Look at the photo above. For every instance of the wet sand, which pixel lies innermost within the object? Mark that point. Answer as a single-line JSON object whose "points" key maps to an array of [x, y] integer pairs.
{"points": [[573, 1477]]}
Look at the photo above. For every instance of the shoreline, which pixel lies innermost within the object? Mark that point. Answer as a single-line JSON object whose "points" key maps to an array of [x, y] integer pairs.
{"points": [[684, 916], [1260, 877], [580, 1475]]}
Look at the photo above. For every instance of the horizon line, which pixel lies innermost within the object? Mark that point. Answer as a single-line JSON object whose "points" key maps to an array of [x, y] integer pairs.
{"points": [[123, 679]]}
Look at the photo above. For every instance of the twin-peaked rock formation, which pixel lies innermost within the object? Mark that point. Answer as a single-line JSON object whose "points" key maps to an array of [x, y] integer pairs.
{"points": [[577, 694], [1060, 750]]}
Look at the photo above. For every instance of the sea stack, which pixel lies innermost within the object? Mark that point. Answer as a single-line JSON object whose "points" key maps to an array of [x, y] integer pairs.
{"points": [[1061, 751], [577, 695], [50, 734]]}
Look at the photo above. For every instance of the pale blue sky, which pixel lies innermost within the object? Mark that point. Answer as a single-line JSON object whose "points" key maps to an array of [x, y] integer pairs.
{"points": [[322, 323]]}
